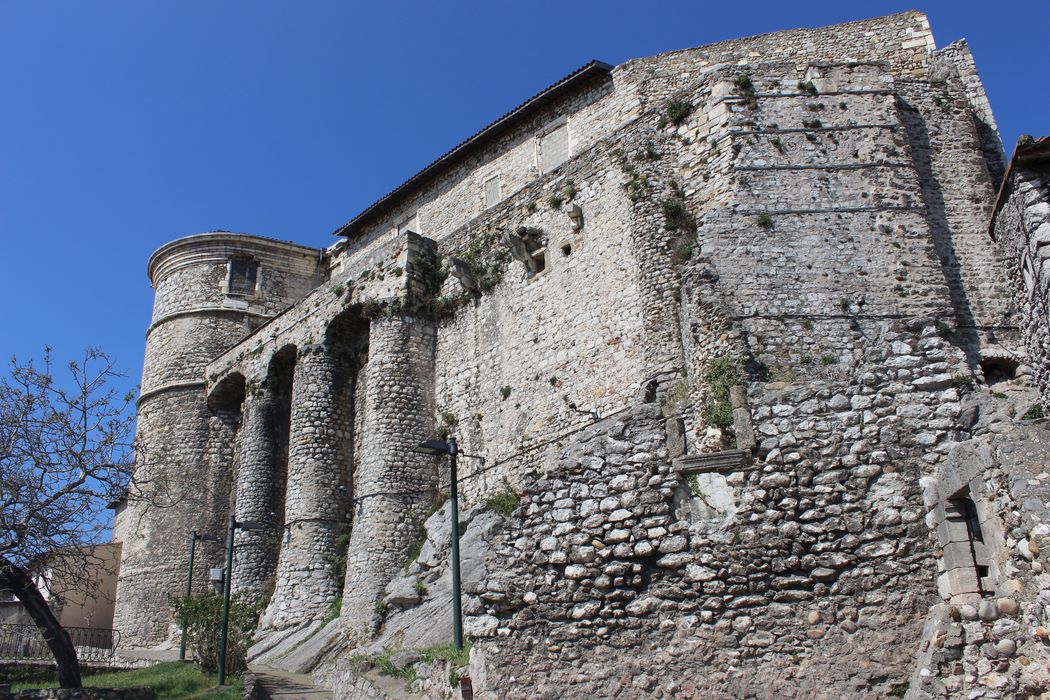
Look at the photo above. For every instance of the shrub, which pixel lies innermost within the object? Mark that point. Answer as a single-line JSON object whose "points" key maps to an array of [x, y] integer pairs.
{"points": [[202, 620], [721, 374], [1034, 412], [746, 88], [676, 215], [504, 392], [808, 87], [502, 502], [676, 112], [764, 221]]}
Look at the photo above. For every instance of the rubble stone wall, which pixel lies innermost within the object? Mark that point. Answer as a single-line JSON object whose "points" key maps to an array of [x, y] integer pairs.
{"points": [[184, 450], [1022, 231], [736, 354]]}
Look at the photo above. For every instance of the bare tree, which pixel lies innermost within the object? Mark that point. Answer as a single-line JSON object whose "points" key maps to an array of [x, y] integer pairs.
{"points": [[65, 454]]}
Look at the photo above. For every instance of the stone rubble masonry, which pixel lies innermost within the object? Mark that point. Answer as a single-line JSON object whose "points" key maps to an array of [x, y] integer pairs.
{"points": [[183, 471], [815, 213], [394, 486], [316, 500], [1022, 231]]}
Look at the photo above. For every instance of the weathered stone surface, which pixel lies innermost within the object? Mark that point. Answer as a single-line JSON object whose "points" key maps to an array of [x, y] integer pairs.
{"points": [[743, 403]]}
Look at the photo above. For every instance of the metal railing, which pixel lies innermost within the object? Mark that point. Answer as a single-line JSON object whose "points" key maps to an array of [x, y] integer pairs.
{"points": [[26, 642]]}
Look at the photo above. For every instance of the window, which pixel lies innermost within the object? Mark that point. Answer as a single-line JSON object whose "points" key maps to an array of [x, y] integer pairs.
{"points": [[964, 558], [409, 224], [554, 147], [492, 194], [243, 276]]}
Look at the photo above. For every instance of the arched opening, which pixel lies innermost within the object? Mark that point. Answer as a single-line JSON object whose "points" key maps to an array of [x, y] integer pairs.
{"points": [[228, 394], [998, 369], [347, 340], [279, 378]]}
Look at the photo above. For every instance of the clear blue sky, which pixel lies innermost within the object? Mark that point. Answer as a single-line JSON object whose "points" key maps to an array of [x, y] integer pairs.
{"points": [[124, 125]]}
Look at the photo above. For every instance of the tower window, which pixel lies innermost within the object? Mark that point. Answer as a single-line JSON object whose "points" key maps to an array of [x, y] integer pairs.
{"points": [[243, 276]]}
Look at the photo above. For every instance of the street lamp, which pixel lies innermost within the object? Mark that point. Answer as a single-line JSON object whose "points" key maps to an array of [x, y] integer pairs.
{"points": [[436, 448], [234, 526], [195, 537]]}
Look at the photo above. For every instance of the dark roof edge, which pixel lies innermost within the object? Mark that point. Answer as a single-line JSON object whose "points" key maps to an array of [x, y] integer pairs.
{"points": [[572, 80], [1027, 150]]}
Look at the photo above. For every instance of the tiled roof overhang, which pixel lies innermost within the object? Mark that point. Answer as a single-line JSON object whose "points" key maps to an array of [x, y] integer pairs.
{"points": [[1026, 152], [595, 70]]}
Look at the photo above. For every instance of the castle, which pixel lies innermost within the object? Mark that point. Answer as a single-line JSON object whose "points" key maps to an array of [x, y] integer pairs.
{"points": [[754, 330]]}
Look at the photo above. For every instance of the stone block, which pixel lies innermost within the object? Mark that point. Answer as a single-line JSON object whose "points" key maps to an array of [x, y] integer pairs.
{"points": [[957, 582]]}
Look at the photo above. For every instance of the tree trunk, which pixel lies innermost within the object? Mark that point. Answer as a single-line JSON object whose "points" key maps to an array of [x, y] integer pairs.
{"points": [[16, 580]]}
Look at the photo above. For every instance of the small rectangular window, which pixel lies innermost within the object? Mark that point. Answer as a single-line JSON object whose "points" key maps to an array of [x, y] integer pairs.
{"points": [[409, 224], [554, 148], [243, 276], [492, 192]]}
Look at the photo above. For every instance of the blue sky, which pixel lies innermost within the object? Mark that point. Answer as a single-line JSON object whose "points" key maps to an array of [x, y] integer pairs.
{"points": [[124, 125]]}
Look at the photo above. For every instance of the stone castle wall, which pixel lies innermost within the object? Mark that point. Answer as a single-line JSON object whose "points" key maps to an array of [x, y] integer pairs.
{"points": [[1021, 229], [730, 352], [183, 448]]}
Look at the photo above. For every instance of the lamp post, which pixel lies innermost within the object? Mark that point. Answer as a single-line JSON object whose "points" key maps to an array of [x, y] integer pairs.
{"points": [[224, 637], [195, 537], [440, 447]]}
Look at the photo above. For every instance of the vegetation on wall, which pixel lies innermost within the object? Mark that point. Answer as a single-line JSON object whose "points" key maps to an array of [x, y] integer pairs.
{"points": [[746, 89], [676, 112], [721, 374], [678, 218], [504, 501]]}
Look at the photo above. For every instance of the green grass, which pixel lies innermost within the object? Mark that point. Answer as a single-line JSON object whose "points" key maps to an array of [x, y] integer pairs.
{"points": [[174, 680], [447, 652]]}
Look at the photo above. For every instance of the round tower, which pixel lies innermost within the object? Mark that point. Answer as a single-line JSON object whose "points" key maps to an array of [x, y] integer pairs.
{"points": [[210, 291]]}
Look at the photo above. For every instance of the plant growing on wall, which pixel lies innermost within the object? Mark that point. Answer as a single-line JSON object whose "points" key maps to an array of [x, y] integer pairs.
{"points": [[746, 89], [503, 502], [676, 112], [721, 374]]}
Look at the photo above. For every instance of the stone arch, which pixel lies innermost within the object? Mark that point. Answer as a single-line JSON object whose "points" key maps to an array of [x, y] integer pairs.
{"points": [[347, 339], [261, 472], [228, 394]]}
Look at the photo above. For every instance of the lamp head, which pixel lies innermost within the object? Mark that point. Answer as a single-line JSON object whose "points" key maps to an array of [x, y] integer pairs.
{"points": [[433, 447]]}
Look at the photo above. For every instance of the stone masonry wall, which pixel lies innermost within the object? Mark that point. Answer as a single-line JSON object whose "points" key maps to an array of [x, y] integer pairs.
{"points": [[184, 455], [729, 353], [1022, 231], [750, 583], [528, 360]]}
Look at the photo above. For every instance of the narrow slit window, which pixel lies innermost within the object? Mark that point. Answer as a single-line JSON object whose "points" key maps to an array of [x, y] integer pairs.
{"points": [[964, 555]]}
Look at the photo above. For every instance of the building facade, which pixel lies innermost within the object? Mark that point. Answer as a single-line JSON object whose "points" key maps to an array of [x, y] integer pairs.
{"points": [[726, 319]]}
